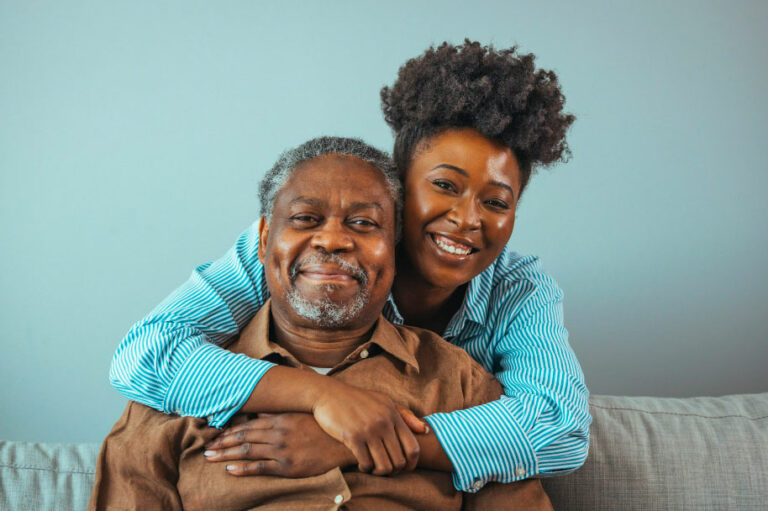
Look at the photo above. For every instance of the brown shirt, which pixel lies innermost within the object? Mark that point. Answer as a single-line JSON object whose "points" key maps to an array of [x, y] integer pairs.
{"points": [[154, 461]]}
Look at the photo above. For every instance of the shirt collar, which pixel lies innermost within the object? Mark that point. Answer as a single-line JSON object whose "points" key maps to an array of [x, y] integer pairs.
{"points": [[473, 308], [255, 342]]}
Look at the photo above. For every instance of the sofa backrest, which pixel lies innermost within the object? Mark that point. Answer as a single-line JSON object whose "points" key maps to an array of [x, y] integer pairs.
{"points": [[46, 476], [646, 453], [667, 453]]}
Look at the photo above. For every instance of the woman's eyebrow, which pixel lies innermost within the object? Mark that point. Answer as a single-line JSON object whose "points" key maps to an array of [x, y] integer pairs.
{"points": [[452, 167], [466, 174], [503, 185]]}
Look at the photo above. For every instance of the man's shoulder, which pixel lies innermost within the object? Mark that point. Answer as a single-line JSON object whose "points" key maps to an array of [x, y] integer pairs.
{"points": [[431, 347], [451, 367], [139, 419]]}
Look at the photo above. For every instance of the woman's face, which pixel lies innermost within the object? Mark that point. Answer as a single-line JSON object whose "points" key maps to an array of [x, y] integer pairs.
{"points": [[461, 191]]}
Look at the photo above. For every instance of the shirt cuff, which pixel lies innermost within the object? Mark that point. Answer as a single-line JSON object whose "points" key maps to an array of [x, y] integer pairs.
{"points": [[214, 383], [485, 443]]}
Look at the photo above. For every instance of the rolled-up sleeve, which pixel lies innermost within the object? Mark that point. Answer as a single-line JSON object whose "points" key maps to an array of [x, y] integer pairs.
{"points": [[540, 427], [172, 360]]}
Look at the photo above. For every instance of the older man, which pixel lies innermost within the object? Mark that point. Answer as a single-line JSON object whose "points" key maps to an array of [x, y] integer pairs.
{"points": [[328, 252]]}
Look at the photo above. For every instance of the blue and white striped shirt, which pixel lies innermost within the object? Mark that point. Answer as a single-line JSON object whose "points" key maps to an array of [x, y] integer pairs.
{"points": [[511, 321]]}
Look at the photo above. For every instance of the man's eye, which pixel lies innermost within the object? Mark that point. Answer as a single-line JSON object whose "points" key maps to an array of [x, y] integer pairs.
{"points": [[303, 219], [363, 222], [445, 185]]}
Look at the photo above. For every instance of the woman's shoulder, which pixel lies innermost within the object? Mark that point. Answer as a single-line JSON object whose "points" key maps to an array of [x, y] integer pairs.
{"points": [[512, 284], [512, 269]]}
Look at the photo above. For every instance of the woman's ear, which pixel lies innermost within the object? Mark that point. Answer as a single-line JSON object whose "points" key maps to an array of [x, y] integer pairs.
{"points": [[263, 235]]}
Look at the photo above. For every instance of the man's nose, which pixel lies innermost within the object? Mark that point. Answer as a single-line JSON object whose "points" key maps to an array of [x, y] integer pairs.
{"points": [[465, 214], [332, 237]]}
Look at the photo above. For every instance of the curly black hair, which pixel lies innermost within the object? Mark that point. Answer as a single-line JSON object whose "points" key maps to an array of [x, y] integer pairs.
{"points": [[497, 92]]}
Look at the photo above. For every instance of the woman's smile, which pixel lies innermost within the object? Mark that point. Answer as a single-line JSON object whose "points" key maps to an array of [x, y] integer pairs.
{"points": [[461, 190]]}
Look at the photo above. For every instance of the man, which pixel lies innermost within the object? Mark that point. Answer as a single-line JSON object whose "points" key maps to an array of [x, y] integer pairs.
{"points": [[327, 246]]}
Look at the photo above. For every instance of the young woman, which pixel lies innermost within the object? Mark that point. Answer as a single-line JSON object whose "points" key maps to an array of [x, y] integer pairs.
{"points": [[471, 123]]}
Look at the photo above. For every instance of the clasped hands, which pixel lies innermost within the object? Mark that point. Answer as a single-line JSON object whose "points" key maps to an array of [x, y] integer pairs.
{"points": [[345, 427]]}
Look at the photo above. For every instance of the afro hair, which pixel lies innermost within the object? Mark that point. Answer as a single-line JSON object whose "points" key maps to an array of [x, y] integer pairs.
{"points": [[499, 93]]}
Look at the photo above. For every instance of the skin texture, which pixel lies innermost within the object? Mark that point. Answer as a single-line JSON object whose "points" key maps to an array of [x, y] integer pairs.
{"points": [[461, 187], [476, 208], [337, 206]]}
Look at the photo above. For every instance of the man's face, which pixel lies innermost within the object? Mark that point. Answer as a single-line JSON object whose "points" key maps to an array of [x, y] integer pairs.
{"points": [[328, 249]]}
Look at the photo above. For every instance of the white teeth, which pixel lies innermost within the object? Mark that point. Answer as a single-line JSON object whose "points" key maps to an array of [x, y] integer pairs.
{"points": [[450, 248]]}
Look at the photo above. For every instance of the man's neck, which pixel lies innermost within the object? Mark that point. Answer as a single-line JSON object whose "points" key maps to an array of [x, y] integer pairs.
{"points": [[314, 346]]}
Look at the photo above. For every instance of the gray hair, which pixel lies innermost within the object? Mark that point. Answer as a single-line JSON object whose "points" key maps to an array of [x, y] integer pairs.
{"points": [[278, 175]]}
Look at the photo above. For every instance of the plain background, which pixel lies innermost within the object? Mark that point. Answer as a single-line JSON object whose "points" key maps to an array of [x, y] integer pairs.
{"points": [[133, 136]]}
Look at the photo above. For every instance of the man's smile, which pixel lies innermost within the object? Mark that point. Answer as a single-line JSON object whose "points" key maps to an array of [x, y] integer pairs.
{"points": [[324, 274], [324, 269]]}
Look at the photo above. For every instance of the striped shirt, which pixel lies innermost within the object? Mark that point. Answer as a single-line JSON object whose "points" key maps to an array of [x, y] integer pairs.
{"points": [[511, 321]]}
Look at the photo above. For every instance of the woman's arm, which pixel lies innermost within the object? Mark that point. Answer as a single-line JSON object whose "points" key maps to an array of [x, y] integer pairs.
{"points": [[171, 360], [541, 426]]}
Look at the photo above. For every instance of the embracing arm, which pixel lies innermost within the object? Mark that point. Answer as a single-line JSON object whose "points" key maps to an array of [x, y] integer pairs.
{"points": [[540, 427], [171, 360]]}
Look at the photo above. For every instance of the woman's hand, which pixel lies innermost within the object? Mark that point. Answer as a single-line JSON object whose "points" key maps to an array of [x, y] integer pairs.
{"points": [[286, 444], [370, 425], [289, 445]]}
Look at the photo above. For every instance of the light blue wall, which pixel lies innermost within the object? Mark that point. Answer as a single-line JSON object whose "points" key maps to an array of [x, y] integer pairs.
{"points": [[133, 135]]}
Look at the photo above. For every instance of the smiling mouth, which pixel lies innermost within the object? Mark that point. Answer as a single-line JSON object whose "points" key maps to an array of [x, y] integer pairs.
{"points": [[327, 275], [452, 247]]}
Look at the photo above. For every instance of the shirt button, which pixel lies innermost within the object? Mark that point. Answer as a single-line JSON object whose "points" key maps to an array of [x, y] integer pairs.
{"points": [[477, 484], [364, 354], [520, 472], [338, 499]]}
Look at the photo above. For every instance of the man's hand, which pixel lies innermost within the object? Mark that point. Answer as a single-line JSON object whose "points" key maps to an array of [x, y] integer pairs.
{"points": [[368, 423], [286, 444], [371, 426], [294, 445]]}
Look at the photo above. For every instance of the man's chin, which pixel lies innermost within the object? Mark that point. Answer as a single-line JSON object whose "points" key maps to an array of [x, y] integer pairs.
{"points": [[327, 310]]}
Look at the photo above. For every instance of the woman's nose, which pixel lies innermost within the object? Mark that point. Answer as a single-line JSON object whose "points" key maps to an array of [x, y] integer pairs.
{"points": [[465, 214]]}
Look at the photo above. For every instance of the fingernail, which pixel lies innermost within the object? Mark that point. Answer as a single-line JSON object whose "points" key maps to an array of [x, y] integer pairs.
{"points": [[209, 453], [426, 429], [231, 467]]}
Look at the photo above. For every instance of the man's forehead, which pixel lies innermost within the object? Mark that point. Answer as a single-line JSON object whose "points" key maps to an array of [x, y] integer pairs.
{"points": [[323, 202], [320, 180]]}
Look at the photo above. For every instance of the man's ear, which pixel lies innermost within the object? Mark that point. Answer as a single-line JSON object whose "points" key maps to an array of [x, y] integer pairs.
{"points": [[263, 235]]}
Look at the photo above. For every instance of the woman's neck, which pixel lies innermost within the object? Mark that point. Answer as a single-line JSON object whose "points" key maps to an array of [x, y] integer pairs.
{"points": [[421, 303]]}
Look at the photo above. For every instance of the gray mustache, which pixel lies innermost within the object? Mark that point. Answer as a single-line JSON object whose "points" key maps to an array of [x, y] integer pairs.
{"points": [[356, 272]]}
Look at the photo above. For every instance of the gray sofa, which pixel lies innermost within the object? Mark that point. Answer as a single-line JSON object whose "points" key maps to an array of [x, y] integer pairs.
{"points": [[646, 453]]}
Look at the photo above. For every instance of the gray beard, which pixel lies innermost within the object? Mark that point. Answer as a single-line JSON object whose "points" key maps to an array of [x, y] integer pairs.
{"points": [[326, 313]]}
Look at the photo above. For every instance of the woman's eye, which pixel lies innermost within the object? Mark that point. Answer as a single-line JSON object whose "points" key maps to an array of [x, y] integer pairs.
{"points": [[498, 204], [445, 185]]}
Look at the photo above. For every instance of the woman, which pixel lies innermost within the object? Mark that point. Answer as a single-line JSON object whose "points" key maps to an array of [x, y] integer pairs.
{"points": [[471, 123]]}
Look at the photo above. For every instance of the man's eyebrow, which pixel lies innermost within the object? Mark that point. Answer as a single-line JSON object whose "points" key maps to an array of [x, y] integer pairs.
{"points": [[366, 205], [315, 202], [466, 174], [310, 201]]}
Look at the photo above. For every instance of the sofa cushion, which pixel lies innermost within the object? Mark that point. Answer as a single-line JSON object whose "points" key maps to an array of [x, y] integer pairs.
{"points": [[646, 453], [667, 453], [46, 476]]}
